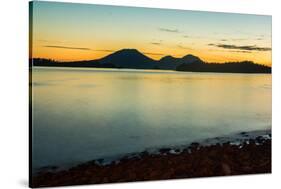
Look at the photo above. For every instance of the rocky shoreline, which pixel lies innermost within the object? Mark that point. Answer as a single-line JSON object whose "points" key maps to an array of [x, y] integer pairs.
{"points": [[250, 156]]}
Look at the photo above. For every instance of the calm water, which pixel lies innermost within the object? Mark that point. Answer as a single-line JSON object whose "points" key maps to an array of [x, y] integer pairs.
{"points": [[83, 114]]}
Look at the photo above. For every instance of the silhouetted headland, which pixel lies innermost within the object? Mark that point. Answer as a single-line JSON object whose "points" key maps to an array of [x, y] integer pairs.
{"points": [[133, 59]]}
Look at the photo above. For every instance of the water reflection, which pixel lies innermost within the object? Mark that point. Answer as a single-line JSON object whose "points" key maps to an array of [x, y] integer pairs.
{"points": [[81, 114]]}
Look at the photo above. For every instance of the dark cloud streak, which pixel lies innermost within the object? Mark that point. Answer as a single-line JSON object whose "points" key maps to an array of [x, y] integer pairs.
{"points": [[99, 50], [244, 47], [155, 43], [169, 30], [65, 47], [104, 50], [242, 51], [79, 48]]}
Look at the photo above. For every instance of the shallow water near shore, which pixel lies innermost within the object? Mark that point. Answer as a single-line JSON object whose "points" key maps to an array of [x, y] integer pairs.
{"points": [[80, 114]]}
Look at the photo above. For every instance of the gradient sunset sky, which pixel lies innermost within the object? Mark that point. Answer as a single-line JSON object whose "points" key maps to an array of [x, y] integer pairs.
{"points": [[70, 31]]}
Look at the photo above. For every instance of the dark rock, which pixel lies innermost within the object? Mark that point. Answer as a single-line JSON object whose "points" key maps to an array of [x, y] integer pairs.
{"points": [[164, 150], [214, 160]]}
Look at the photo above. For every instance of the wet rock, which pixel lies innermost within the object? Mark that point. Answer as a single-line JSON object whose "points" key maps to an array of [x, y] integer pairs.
{"points": [[144, 153], [177, 150], [194, 146], [214, 160], [100, 161], [226, 144], [260, 139], [164, 150]]}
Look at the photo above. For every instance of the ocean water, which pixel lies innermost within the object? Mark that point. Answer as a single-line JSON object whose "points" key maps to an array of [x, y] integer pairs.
{"points": [[81, 114]]}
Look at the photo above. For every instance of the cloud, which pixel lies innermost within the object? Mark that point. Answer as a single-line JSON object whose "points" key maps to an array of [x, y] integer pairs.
{"points": [[65, 47], [104, 50], [235, 51], [79, 48], [155, 43], [223, 40], [242, 51], [185, 36], [169, 30], [244, 47]]}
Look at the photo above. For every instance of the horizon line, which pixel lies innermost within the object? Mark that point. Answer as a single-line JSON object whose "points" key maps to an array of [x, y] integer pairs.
{"points": [[144, 53]]}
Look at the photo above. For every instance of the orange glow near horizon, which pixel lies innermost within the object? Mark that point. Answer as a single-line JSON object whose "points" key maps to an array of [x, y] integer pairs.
{"points": [[207, 56], [70, 32]]}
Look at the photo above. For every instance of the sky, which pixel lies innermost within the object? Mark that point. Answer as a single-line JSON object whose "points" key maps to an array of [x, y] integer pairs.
{"points": [[71, 31]]}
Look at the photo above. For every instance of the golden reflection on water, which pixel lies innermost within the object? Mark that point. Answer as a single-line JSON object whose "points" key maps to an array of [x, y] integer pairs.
{"points": [[102, 112]]}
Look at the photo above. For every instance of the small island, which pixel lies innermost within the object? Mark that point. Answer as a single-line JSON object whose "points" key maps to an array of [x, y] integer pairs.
{"points": [[133, 59]]}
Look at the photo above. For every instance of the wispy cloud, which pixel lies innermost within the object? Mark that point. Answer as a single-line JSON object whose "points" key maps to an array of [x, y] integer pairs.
{"points": [[169, 30], [66, 47], [155, 43], [185, 36], [242, 51], [104, 50], [79, 48], [243, 47], [99, 50], [235, 51]]}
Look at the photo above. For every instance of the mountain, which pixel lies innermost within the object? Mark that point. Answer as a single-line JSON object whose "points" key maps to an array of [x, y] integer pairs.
{"points": [[128, 58], [191, 59], [170, 63], [133, 59], [125, 58]]}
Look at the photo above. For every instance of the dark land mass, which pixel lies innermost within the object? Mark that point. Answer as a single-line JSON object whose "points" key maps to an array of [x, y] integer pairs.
{"points": [[251, 157], [231, 67], [133, 59]]}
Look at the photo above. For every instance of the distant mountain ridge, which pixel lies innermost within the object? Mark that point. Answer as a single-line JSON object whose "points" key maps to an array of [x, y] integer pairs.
{"points": [[170, 62], [133, 59]]}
